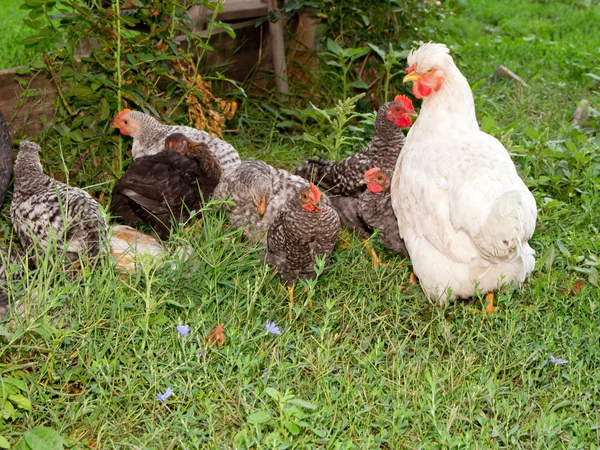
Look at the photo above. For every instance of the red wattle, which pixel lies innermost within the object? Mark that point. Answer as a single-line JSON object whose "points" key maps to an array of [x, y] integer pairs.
{"points": [[420, 90], [403, 122], [374, 188]]}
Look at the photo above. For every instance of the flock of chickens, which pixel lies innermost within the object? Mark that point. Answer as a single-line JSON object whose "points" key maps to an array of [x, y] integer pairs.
{"points": [[447, 196]]}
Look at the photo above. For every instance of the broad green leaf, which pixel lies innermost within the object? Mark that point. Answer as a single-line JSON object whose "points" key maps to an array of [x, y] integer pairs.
{"points": [[359, 85], [43, 438], [356, 52], [104, 109], [292, 427], [259, 417], [8, 410], [4, 443], [76, 136], [272, 393], [377, 50], [334, 47], [19, 384], [82, 92], [21, 401], [302, 404]]}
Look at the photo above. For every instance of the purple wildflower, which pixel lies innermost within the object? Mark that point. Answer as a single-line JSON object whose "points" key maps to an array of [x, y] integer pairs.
{"points": [[272, 328], [266, 373], [183, 329], [163, 397], [554, 360]]}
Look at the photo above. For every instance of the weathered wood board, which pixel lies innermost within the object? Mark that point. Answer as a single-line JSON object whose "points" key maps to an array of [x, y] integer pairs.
{"points": [[24, 115]]}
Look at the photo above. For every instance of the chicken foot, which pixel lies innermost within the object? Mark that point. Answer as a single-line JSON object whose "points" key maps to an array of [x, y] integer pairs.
{"points": [[489, 305], [376, 261]]}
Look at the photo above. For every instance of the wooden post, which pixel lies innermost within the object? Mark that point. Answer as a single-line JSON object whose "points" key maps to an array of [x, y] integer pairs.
{"points": [[276, 34]]}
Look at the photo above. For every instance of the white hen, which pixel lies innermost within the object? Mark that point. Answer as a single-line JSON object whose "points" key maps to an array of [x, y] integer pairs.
{"points": [[463, 212]]}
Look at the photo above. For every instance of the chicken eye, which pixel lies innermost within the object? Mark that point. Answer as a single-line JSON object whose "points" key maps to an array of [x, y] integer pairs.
{"points": [[125, 122]]}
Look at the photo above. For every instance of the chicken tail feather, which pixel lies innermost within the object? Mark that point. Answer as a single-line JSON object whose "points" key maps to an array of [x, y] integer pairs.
{"points": [[319, 172]]}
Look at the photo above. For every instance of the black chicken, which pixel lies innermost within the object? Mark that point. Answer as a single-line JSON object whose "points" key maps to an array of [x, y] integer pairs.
{"points": [[165, 187]]}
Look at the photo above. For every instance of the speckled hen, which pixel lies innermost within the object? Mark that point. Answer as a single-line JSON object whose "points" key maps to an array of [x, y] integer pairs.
{"points": [[303, 230], [259, 192], [343, 177], [375, 209], [149, 136], [42, 207], [6, 157], [165, 187]]}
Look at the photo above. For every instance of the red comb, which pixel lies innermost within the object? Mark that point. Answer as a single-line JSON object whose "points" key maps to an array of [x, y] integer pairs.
{"points": [[406, 102], [315, 191], [122, 113], [411, 68], [371, 172]]}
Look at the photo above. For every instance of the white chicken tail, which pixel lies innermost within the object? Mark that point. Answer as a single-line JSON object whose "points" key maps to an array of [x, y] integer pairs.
{"points": [[504, 232]]}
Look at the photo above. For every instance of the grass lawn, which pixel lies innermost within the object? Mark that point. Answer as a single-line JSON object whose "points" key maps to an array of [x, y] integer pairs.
{"points": [[372, 365], [13, 31]]}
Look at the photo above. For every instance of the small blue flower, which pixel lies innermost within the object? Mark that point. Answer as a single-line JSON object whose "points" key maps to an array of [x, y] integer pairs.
{"points": [[266, 373], [272, 328], [554, 360], [183, 329], [163, 397]]}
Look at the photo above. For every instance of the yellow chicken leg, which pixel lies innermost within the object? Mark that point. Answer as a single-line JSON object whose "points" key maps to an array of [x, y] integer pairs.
{"points": [[489, 305], [413, 278], [291, 296], [345, 240], [376, 261]]}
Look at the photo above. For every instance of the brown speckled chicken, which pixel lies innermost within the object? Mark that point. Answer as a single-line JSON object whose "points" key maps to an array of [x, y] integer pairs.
{"points": [[161, 188], [375, 209], [43, 207], [149, 136], [303, 230], [343, 177]]}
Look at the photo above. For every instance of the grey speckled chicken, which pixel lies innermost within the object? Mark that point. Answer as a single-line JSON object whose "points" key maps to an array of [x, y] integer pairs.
{"points": [[149, 137], [303, 230], [259, 192], [6, 156], [343, 177], [375, 209], [42, 206]]}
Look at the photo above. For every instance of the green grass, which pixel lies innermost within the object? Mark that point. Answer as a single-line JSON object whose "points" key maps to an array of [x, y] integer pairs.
{"points": [[12, 53], [379, 366]]}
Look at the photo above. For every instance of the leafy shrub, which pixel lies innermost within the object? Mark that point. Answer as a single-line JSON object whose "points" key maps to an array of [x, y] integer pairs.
{"points": [[133, 57]]}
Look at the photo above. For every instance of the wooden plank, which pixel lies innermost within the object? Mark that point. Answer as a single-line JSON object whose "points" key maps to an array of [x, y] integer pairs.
{"points": [[242, 9], [24, 116]]}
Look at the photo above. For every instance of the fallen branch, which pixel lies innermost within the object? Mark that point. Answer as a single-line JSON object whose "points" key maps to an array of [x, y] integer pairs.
{"points": [[503, 72]]}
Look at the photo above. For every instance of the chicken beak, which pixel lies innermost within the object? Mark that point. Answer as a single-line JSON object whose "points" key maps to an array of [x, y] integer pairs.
{"points": [[316, 206], [363, 181], [116, 124], [262, 207], [411, 76]]}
